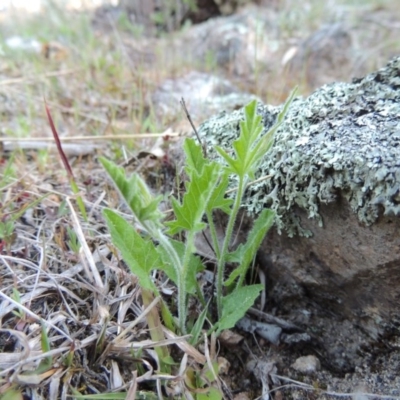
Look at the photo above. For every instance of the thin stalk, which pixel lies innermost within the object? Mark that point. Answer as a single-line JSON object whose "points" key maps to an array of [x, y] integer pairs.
{"points": [[214, 236], [227, 240], [180, 278], [66, 164], [176, 262], [177, 265], [182, 312]]}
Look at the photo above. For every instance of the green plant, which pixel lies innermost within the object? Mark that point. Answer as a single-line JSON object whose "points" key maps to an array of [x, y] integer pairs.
{"points": [[17, 297], [203, 383], [172, 12], [73, 241], [154, 247]]}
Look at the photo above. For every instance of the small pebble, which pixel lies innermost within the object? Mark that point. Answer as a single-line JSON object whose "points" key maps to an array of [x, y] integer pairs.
{"points": [[306, 364]]}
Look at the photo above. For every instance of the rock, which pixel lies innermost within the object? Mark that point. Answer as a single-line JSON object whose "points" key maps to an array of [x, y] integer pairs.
{"points": [[204, 95], [265, 371], [169, 15], [172, 15], [335, 188], [323, 57], [296, 338], [269, 332], [230, 338], [234, 42], [306, 365], [223, 365], [241, 396]]}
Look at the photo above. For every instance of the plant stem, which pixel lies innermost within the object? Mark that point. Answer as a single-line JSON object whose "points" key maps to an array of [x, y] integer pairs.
{"points": [[214, 236], [185, 269], [227, 240], [180, 278]]}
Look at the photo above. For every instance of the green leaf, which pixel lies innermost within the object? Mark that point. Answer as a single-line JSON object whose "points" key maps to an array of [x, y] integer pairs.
{"points": [[251, 146], [198, 326], [288, 102], [218, 200], [246, 252], [46, 363], [140, 395], [267, 140], [140, 254], [12, 394], [45, 343], [167, 317], [233, 165], [235, 305], [194, 155], [213, 394], [250, 130], [251, 126], [199, 190], [209, 373], [135, 192], [195, 265]]}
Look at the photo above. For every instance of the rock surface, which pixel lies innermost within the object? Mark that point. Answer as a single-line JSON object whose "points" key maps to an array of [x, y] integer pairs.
{"points": [[204, 95], [334, 255], [307, 364], [323, 57]]}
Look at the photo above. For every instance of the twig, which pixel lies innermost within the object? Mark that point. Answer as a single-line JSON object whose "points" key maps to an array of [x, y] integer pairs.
{"points": [[91, 138], [183, 104], [35, 78], [94, 272], [275, 320]]}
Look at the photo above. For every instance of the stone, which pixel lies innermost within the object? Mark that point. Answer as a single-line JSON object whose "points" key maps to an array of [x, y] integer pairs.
{"points": [[269, 332], [325, 56], [335, 188], [172, 15], [306, 365], [204, 95], [234, 44]]}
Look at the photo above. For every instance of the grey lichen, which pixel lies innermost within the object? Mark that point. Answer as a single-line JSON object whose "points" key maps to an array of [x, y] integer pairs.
{"points": [[343, 139]]}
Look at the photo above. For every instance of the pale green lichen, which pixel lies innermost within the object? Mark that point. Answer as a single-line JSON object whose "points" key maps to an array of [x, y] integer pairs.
{"points": [[343, 139]]}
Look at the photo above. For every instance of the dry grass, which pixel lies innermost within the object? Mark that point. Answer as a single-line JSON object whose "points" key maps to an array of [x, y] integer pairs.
{"points": [[59, 273], [61, 278]]}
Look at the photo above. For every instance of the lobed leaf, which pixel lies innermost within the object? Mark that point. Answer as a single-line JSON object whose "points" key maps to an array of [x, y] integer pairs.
{"points": [[233, 165], [194, 156], [195, 265], [246, 252], [251, 126], [250, 130], [218, 199], [140, 254], [267, 140], [135, 192], [199, 191]]}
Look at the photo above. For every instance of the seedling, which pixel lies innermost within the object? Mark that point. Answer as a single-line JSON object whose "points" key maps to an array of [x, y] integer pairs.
{"points": [[208, 180]]}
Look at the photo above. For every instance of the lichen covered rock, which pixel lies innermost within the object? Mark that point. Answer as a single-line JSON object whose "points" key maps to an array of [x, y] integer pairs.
{"points": [[332, 262], [344, 138]]}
